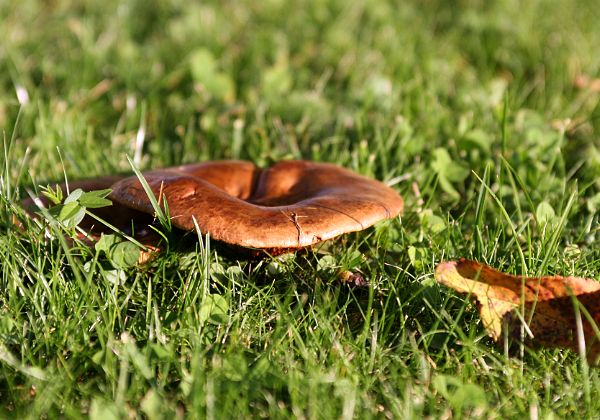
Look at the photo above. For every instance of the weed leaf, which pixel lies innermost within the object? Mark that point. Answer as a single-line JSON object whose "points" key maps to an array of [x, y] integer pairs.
{"points": [[214, 309], [95, 199], [448, 171]]}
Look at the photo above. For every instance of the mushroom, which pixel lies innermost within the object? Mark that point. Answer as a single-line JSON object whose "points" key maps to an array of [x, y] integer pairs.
{"points": [[291, 205]]}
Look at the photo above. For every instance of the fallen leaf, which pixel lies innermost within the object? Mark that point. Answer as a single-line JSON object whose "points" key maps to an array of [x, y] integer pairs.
{"points": [[585, 82], [548, 307], [148, 254], [352, 279]]}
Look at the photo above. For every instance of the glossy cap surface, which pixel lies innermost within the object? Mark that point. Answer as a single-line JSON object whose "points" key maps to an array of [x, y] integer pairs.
{"points": [[291, 204]]}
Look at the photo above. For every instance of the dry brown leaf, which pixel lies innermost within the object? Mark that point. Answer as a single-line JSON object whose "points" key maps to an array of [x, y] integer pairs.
{"points": [[148, 254], [546, 306], [585, 82]]}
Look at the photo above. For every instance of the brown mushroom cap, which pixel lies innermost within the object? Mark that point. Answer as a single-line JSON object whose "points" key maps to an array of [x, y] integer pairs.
{"points": [[290, 205]]}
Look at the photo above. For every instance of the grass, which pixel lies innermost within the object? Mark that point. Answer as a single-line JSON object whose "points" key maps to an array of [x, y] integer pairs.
{"points": [[467, 109]]}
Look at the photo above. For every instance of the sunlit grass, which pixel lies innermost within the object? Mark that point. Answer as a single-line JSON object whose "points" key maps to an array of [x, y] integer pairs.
{"points": [[468, 110]]}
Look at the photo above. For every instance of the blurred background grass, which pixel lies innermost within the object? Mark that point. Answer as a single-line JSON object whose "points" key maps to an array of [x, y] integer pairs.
{"points": [[311, 79]]}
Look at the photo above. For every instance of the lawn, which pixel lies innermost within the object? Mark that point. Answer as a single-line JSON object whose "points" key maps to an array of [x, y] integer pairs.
{"points": [[469, 109]]}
